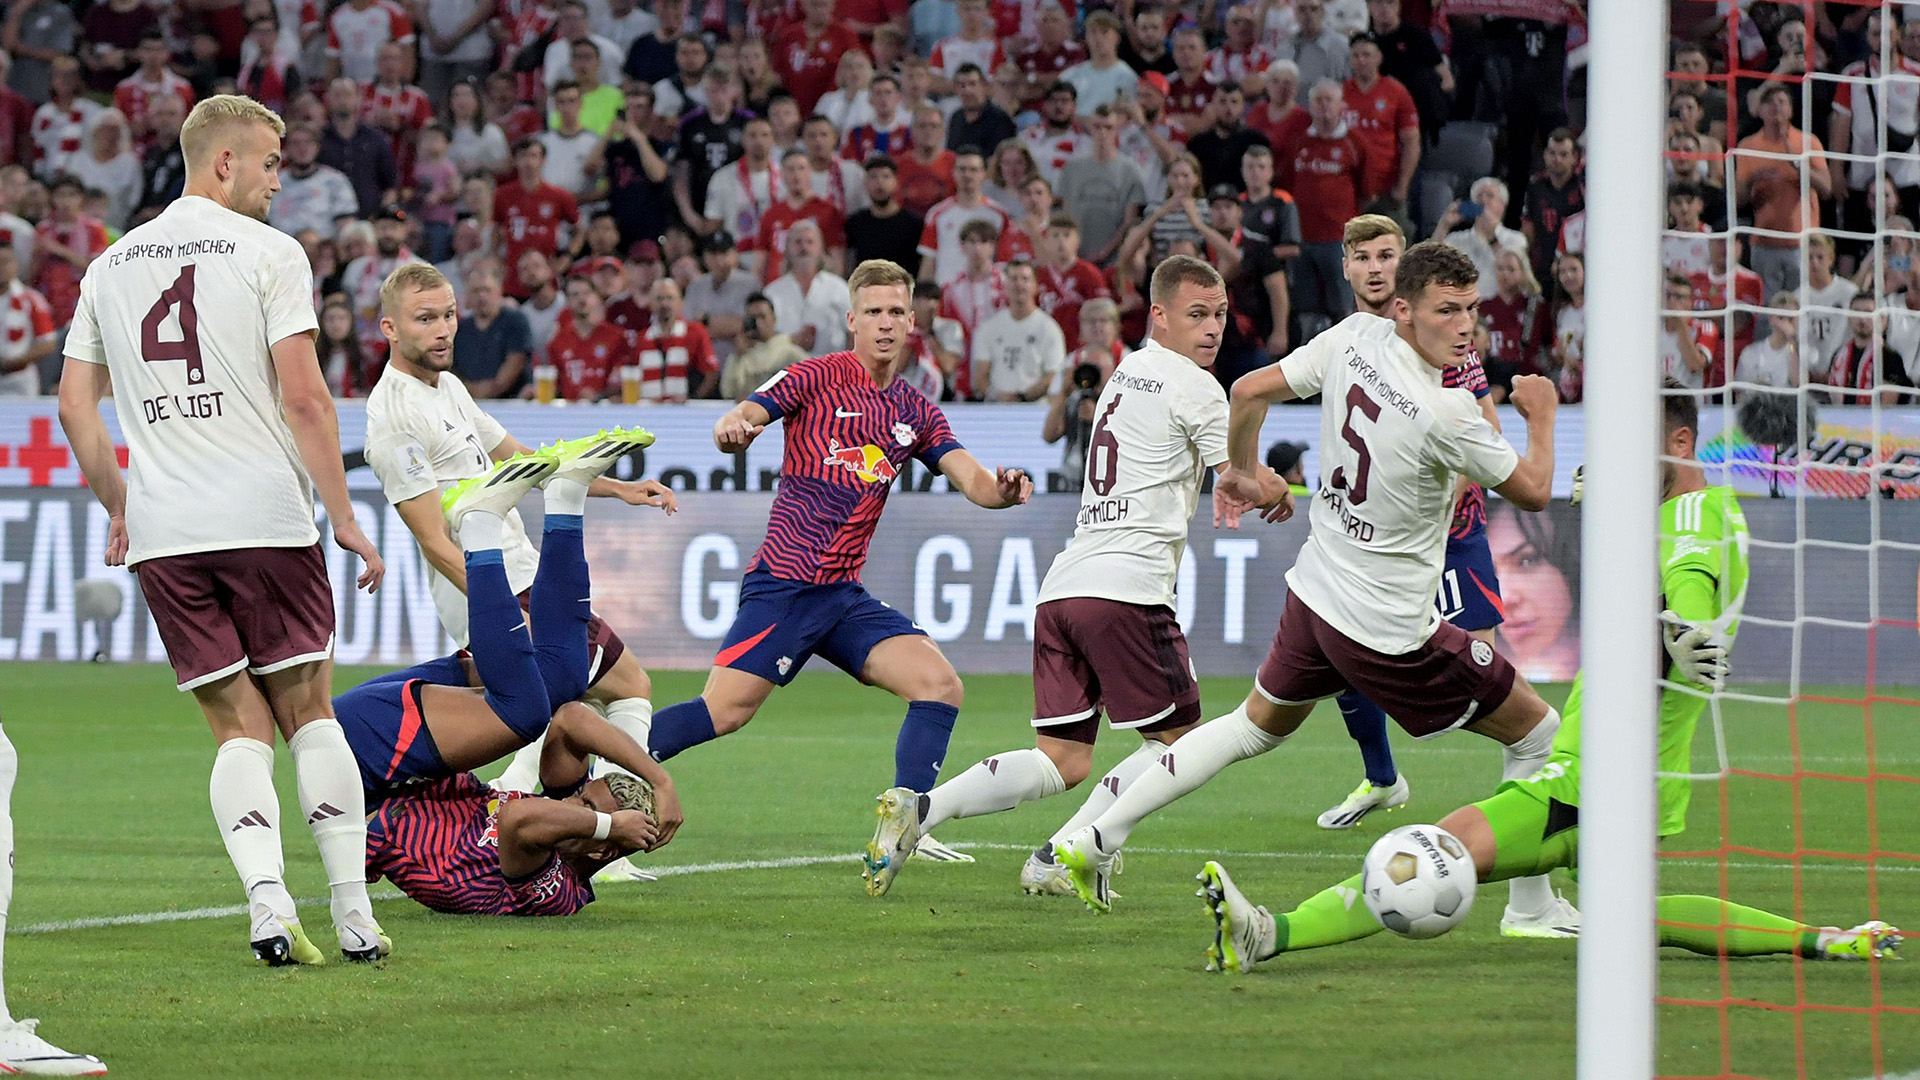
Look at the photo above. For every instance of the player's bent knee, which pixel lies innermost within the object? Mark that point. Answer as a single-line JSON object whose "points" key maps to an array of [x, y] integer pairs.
{"points": [[1072, 759], [625, 679], [1470, 826], [943, 686]]}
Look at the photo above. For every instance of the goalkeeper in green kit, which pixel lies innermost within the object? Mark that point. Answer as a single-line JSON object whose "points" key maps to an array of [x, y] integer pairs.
{"points": [[1531, 826]]}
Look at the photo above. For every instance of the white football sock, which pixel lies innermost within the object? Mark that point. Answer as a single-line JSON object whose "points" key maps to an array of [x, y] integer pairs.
{"points": [[247, 811], [1118, 779], [1530, 895], [523, 772], [1191, 761], [634, 716], [335, 806], [9, 769], [999, 783], [564, 496], [480, 530]]}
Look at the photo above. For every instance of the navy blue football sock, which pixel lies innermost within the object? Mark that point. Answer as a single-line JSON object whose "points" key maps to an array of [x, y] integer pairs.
{"points": [[560, 608], [502, 651], [922, 746], [679, 727], [1367, 723]]}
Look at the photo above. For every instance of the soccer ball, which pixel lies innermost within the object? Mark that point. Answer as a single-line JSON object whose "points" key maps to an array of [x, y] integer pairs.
{"points": [[1418, 881]]}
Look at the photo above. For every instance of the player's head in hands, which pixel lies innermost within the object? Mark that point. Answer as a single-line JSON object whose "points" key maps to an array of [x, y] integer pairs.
{"points": [[1189, 308], [231, 145], [1371, 251], [881, 315], [418, 317], [1436, 301]]}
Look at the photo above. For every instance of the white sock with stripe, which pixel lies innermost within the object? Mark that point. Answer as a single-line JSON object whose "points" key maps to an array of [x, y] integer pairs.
{"points": [[9, 770], [247, 811], [1191, 761], [335, 806], [1118, 779], [1001, 782]]}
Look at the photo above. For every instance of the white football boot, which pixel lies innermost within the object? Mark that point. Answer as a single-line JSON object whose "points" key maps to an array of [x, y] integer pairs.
{"points": [[1243, 932], [23, 1053], [1364, 800], [894, 838], [1559, 920]]}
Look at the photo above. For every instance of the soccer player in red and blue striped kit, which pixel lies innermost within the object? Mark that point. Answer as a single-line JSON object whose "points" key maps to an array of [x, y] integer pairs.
{"points": [[851, 425]]}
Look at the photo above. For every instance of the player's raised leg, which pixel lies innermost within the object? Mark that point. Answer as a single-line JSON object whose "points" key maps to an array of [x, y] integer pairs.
{"points": [[21, 1050]]}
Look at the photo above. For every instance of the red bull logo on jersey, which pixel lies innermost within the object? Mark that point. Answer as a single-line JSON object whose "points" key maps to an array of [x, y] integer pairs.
{"points": [[867, 462]]}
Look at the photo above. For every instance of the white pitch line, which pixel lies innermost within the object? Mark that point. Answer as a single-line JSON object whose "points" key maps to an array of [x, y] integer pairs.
{"points": [[794, 861]]}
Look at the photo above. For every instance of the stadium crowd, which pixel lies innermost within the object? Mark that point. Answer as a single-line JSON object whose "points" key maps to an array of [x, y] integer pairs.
{"points": [[658, 202]]}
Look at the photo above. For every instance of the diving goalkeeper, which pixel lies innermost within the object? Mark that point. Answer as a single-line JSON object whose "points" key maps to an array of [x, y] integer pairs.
{"points": [[1531, 826]]}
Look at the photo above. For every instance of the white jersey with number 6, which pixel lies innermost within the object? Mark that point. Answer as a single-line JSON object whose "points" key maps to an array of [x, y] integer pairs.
{"points": [[183, 310], [1392, 439], [1160, 421]]}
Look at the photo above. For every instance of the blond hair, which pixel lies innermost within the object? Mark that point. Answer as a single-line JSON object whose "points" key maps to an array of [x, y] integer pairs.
{"points": [[412, 277], [214, 122], [878, 272], [1368, 227]]}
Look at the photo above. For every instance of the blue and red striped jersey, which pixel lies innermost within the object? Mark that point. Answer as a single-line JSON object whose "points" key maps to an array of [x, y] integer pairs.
{"points": [[440, 843], [846, 440], [1470, 513]]}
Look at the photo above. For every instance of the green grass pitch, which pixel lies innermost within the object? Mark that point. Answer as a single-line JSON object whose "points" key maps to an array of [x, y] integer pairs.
{"points": [[792, 970]]}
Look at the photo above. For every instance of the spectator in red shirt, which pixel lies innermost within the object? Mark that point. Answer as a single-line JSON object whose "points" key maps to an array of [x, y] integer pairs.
{"points": [[395, 108], [64, 246], [1067, 281], [516, 118], [1383, 118], [1325, 170], [1279, 117], [530, 213], [676, 356], [587, 348], [798, 204], [1189, 93], [807, 55], [16, 121], [863, 17], [1519, 323], [1054, 53], [926, 172], [137, 90]]}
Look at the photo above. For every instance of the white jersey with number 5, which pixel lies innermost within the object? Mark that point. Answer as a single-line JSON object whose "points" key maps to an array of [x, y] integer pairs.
{"points": [[1392, 439], [183, 310], [1160, 421]]}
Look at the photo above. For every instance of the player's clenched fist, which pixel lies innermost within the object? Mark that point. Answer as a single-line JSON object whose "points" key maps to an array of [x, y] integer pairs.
{"points": [[734, 433], [1534, 395], [1016, 487]]}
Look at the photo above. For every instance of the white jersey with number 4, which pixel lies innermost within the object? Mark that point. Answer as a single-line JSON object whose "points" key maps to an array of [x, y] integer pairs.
{"points": [[1392, 439], [183, 311], [420, 437], [1161, 420]]}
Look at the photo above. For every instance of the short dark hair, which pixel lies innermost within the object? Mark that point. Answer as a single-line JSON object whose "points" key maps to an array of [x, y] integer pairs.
{"points": [[564, 84], [65, 181], [969, 150], [966, 67], [819, 118], [529, 142], [1682, 409], [1064, 87], [757, 298], [1562, 134], [1178, 270], [1433, 263], [882, 161], [885, 77], [588, 42], [979, 229], [1228, 87], [1772, 90], [1684, 189]]}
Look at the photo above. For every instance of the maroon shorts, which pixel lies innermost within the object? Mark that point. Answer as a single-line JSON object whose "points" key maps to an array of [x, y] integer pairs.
{"points": [[604, 647], [252, 609], [1451, 680], [1130, 658]]}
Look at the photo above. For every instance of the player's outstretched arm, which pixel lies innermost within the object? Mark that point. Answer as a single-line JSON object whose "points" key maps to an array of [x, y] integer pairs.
{"points": [[1247, 413], [530, 828], [994, 490], [308, 407], [82, 386], [742, 424], [1530, 486]]}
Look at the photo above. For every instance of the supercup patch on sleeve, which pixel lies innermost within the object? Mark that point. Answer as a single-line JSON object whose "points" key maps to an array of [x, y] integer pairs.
{"points": [[412, 459]]}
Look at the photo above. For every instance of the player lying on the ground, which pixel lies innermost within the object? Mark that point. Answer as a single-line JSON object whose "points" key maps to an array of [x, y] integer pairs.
{"points": [[424, 432], [1105, 634], [1531, 826], [1469, 595], [415, 733], [851, 425], [1359, 613]]}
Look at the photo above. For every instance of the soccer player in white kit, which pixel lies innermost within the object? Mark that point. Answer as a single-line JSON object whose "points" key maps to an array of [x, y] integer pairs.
{"points": [[200, 323], [1359, 609], [424, 433], [1105, 635]]}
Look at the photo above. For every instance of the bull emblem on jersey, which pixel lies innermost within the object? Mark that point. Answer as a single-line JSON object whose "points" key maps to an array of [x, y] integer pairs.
{"points": [[903, 434], [867, 462]]}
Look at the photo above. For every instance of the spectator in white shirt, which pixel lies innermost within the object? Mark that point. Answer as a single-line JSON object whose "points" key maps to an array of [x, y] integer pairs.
{"points": [[1775, 359], [312, 195], [621, 22], [1484, 236], [1018, 350], [810, 304], [572, 25]]}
